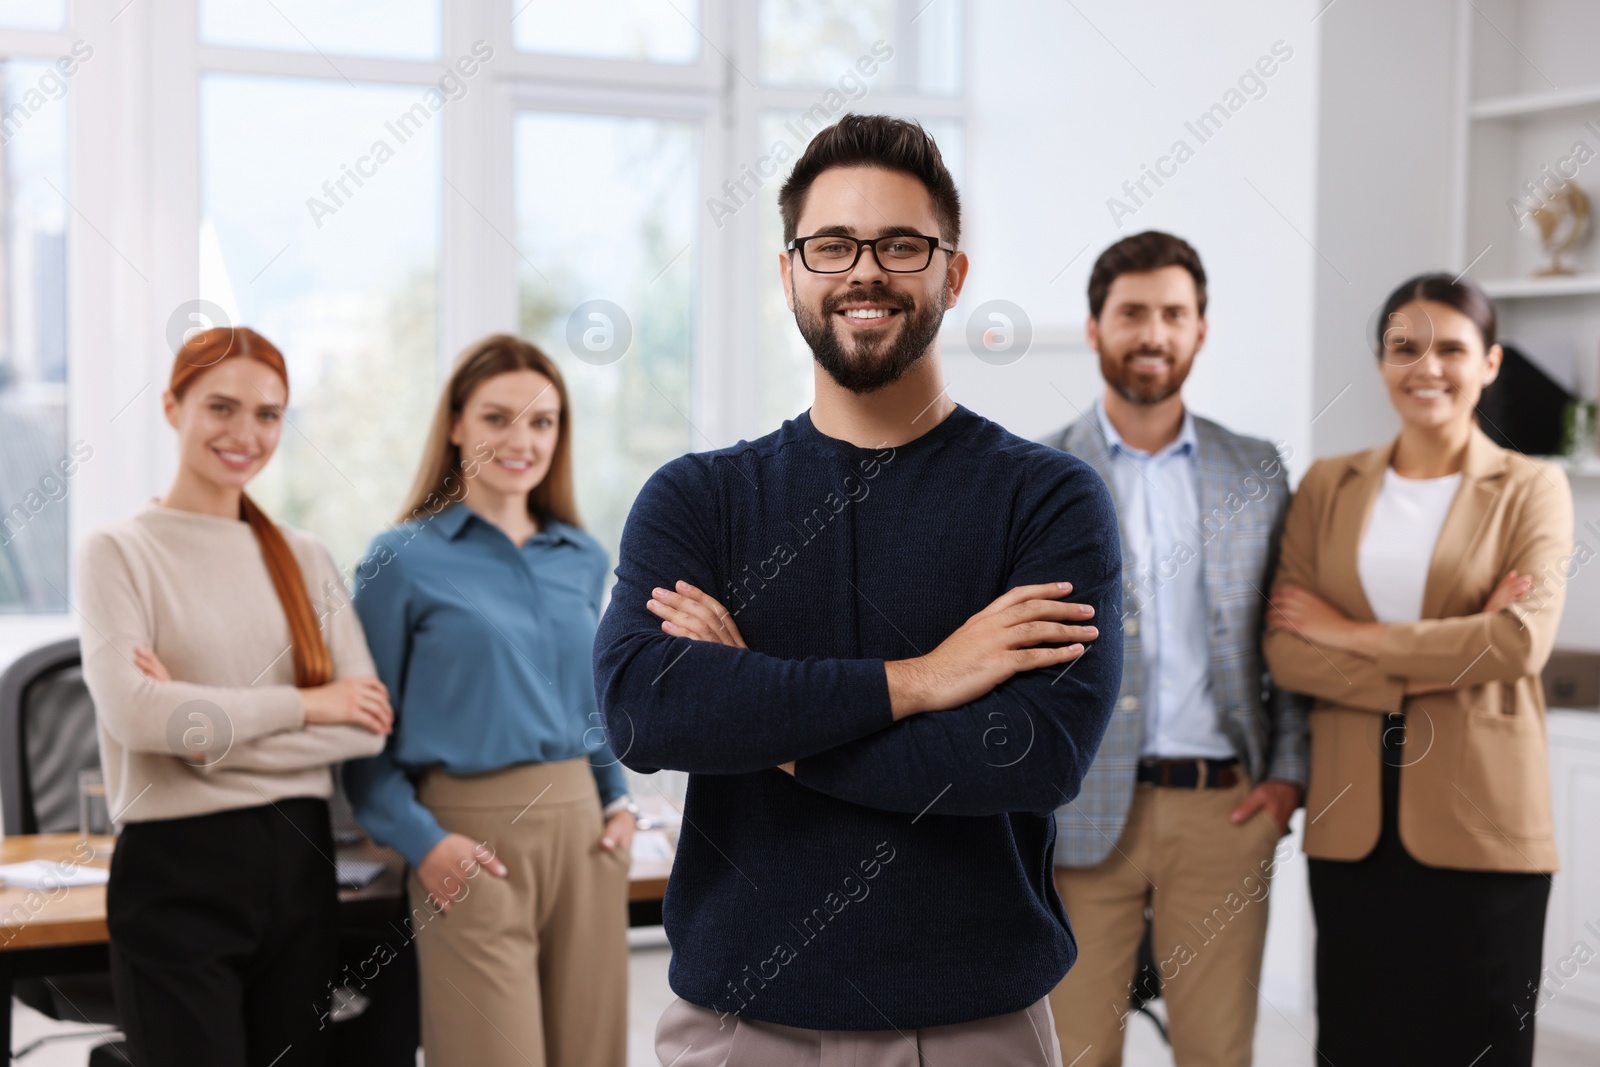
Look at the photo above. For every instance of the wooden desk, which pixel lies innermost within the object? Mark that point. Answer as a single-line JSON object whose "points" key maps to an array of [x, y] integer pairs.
{"points": [[31, 918], [44, 932], [36, 918], [647, 885], [63, 931]]}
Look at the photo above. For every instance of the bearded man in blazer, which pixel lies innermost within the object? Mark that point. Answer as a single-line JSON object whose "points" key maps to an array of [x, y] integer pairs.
{"points": [[1205, 759]]}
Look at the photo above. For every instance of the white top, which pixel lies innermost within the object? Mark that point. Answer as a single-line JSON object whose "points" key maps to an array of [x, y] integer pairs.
{"points": [[1398, 544]]}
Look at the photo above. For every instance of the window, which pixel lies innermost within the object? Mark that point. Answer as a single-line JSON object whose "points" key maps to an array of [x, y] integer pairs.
{"points": [[392, 29], [320, 229], [33, 14], [607, 281], [654, 31], [36, 459], [806, 43], [326, 172]]}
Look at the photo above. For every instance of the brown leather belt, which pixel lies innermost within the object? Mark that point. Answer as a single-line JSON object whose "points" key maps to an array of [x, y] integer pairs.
{"points": [[1190, 773]]}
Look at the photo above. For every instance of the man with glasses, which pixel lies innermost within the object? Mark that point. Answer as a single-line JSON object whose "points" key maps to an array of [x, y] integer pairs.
{"points": [[869, 638]]}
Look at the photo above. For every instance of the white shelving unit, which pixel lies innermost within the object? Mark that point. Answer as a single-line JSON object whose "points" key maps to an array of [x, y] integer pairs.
{"points": [[1519, 105], [1528, 79], [1581, 467], [1577, 468], [1528, 91], [1568, 1001], [1537, 288]]}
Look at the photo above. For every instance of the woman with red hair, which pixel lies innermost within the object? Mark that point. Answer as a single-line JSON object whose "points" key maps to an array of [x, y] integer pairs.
{"points": [[228, 676]]}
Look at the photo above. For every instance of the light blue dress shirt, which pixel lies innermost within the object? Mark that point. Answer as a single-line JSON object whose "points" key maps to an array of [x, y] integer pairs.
{"points": [[487, 652], [1158, 504]]}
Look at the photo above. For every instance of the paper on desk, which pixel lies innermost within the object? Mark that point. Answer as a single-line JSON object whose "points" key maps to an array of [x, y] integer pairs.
{"points": [[48, 874], [651, 845], [357, 874]]}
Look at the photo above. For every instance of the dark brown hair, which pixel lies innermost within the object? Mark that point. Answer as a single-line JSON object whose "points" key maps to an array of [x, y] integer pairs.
{"points": [[313, 665], [874, 141], [1140, 254], [440, 478], [1460, 293]]}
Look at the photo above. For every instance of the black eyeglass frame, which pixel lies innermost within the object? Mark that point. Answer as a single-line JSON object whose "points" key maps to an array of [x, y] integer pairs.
{"points": [[935, 244]]}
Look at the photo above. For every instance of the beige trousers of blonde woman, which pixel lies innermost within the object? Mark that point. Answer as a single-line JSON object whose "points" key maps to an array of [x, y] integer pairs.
{"points": [[531, 969]]}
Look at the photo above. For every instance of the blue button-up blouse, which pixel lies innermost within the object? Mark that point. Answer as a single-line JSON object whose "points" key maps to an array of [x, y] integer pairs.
{"points": [[486, 649]]}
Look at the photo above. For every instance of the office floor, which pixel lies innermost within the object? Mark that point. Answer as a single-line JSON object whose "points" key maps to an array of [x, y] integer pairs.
{"points": [[1281, 1040]]}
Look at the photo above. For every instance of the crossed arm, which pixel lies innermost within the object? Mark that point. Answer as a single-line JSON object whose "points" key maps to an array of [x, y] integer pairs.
{"points": [[1315, 648], [273, 727], [999, 641], [1003, 716], [343, 718], [1304, 613]]}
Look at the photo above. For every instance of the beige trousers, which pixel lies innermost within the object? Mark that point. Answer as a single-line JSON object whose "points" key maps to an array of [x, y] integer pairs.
{"points": [[530, 969], [1206, 883], [691, 1036]]}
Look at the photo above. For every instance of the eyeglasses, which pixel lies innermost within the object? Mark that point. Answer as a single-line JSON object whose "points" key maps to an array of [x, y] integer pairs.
{"points": [[837, 253]]}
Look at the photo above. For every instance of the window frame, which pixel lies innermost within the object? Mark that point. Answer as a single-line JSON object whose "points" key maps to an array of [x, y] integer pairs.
{"points": [[135, 170], [23, 630]]}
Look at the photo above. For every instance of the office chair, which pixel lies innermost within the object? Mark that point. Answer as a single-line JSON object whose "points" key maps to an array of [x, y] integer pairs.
{"points": [[1147, 982], [47, 736]]}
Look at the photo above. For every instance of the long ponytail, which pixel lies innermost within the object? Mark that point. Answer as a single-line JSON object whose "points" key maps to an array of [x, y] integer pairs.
{"points": [[313, 664]]}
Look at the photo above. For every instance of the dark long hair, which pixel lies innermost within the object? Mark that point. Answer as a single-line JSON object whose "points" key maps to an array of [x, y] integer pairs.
{"points": [[1460, 293]]}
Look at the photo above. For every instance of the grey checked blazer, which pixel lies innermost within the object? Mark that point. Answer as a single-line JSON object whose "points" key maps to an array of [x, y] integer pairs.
{"points": [[1244, 496]]}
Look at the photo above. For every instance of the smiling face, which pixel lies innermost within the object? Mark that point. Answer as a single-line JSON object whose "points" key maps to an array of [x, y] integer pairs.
{"points": [[507, 431], [1148, 332], [229, 421], [867, 326], [1434, 364]]}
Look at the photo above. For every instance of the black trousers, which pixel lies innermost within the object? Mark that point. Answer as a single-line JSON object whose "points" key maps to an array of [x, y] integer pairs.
{"points": [[1420, 965], [224, 936]]}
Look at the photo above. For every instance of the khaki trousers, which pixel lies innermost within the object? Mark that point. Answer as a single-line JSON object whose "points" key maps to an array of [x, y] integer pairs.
{"points": [[688, 1035], [1206, 883], [530, 969]]}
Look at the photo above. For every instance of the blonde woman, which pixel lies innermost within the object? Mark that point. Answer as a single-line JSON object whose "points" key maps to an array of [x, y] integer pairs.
{"points": [[228, 674], [481, 608], [1417, 599]]}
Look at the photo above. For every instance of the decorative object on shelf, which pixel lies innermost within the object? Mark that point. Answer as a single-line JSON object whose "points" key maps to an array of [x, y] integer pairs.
{"points": [[1563, 222], [1578, 431]]}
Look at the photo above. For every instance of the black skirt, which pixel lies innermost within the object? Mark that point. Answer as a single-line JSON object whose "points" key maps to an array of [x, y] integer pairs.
{"points": [[1421, 965]]}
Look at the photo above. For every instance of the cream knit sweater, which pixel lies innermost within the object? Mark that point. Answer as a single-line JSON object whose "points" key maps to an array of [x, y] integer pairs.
{"points": [[196, 590]]}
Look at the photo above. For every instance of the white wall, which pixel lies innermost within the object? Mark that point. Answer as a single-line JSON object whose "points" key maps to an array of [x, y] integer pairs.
{"points": [[1386, 149], [1067, 103]]}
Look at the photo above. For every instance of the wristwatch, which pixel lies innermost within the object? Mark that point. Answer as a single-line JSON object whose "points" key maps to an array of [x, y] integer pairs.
{"points": [[626, 803]]}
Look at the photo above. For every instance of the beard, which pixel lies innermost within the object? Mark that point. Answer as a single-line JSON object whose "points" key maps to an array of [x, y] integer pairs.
{"points": [[1138, 388], [872, 361]]}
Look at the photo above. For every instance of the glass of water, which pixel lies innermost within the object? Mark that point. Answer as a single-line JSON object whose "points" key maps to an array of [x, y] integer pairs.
{"points": [[94, 816]]}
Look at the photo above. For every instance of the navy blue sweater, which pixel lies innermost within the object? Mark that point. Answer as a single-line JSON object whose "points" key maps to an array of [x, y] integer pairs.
{"points": [[902, 878]]}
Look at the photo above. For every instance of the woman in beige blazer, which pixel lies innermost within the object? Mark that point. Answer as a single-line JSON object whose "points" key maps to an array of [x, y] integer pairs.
{"points": [[1417, 596]]}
